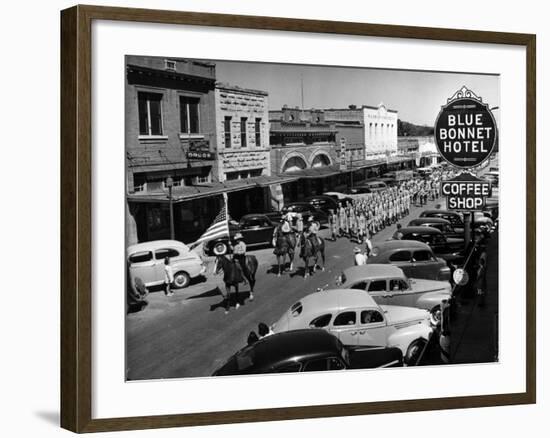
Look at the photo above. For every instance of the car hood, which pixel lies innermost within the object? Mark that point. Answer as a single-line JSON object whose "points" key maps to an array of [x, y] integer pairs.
{"points": [[425, 286], [401, 314]]}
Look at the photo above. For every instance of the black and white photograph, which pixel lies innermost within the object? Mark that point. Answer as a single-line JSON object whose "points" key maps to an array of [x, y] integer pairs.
{"points": [[287, 218]]}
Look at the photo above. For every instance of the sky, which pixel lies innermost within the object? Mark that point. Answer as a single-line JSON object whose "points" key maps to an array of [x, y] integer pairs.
{"points": [[416, 95]]}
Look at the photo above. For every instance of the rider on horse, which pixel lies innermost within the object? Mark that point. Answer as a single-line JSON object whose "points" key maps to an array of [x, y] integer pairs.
{"points": [[239, 254], [313, 229], [282, 231]]}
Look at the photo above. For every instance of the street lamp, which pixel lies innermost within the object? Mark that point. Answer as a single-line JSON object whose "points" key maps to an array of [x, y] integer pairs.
{"points": [[170, 184]]}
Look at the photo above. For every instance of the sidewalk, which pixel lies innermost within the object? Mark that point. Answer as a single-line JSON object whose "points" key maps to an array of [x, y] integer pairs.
{"points": [[474, 329]]}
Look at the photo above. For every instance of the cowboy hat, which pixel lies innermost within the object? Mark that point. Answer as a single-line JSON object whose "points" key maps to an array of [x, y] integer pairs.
{"points": [[238, 236], [356, 249]]}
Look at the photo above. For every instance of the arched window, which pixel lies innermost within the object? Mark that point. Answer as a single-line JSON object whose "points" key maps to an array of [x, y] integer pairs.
{"points": [[321, 160], [294, 164]]}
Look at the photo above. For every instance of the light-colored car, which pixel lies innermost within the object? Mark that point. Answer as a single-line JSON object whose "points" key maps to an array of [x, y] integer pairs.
{"points": [[356, 319], [388, 284], [146, 261]]}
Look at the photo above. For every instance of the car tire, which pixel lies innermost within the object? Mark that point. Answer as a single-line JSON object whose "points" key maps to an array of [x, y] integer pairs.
{"points": [[220, 248], [435, 316], [414, 350], [181, 280]]}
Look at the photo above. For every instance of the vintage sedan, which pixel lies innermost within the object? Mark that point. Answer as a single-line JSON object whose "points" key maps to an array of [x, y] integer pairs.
{"points": [[453, 217], [146, 262], [322, 202], [450, 249], [356, 319], [415, 258], [441, 224], [387, 284], [306, 210], [257, 230], [306, 350]]}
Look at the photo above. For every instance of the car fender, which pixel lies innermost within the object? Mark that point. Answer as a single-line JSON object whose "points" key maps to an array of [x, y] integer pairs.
{"points": [[402, 338], [430, 300]]}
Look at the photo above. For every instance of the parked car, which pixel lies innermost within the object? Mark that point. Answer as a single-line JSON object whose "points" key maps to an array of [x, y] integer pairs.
{"points": [[453, 217], [450, 249], [388, 284], [344, 198], [306, 210], [415, 258], [441, 224], [146, 262], [257, 230], [356, 319], [306, 350], [322, 202], [372, 185]]}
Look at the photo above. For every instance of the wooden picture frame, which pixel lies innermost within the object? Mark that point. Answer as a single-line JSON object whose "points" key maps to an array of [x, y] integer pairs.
{"points": [[76, 217]]}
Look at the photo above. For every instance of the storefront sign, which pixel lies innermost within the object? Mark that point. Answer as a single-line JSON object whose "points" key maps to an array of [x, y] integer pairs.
{"points": [[465, 130], [244, 160], [466, 192], [198, 155], [343, 164]]}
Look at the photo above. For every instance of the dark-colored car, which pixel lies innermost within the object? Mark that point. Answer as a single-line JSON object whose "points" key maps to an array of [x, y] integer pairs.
{"points": [[415, 258], [306, 350], [441, 224], [322, 202], [449, 249], [453, 217], [257, 230], [306, 210]]}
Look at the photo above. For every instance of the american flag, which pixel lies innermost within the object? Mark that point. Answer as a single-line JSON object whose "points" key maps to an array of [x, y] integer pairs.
{"points": [[219, 227]]}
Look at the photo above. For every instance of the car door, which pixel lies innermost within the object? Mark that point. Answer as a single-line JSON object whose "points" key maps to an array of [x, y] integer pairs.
{"points": [[344, 327], [249, 228], [403, 260], [400, 293], [378, 289], [142, 265], [265, 231], [425, 265], [372, 330]]}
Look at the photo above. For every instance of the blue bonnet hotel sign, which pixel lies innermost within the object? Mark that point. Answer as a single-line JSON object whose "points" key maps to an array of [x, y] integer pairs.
{"points": [[465, 130]]}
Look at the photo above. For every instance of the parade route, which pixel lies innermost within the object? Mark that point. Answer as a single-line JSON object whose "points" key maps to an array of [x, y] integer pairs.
{"points": [[189, 335]]}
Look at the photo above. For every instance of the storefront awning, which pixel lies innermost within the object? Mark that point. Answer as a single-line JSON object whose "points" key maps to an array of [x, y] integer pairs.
{"points": [[188, 193]]}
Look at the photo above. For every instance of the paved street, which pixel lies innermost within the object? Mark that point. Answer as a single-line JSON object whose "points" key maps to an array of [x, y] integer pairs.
{"points": [[189, 335]]}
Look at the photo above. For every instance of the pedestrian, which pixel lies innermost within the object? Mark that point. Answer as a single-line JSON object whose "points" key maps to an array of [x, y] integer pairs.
{"points": [[398, 235], [332, 223], [168, 277], [264, 331], [359, 257], [368, 246]]}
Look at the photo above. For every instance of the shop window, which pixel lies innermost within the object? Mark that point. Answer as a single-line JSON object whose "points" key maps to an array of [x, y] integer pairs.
{"points": [[189, 115], [150, 113]]}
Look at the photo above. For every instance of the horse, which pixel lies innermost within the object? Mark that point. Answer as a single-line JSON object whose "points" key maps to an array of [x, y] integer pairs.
{"points": [[285, 245], [308, 250], [233, 274]]}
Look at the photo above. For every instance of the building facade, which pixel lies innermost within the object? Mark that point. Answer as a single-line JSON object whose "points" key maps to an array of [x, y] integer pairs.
{"points": [[303, 145], [242, 133], [170, 117], [379, 127]]}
